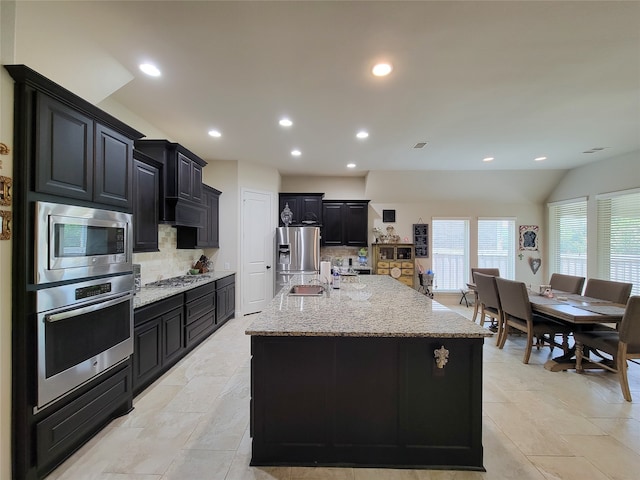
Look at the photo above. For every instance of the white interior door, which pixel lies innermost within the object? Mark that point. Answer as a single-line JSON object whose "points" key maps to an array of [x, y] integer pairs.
{"points": [[258, 233]]}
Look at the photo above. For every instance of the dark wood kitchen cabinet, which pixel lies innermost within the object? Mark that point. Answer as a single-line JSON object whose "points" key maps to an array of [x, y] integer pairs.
{"points": [[146, 198], [181, 204], [306, 208], [158, 340], [345, 222], [80, 158], [200, 308], [225, 299], [207, 236]]}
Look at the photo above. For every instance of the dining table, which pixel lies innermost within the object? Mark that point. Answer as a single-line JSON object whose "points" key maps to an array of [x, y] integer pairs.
{"points": [[582, 313]]}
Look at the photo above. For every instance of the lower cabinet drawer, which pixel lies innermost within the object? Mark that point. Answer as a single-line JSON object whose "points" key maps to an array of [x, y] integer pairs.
{"points": [[383, 264], [407, 265], [197, 308], [395, 264], [407, 280], [65, 430], [407, 271], [383, 271], [197, 330]]}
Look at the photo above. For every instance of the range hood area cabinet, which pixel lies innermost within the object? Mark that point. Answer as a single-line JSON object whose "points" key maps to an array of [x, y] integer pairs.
{"points": [[304, 206], [181, 204], [208, 236], [147, 180], [78, 151], [345, 223]]}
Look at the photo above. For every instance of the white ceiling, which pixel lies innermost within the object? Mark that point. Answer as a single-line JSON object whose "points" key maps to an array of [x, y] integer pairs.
{"points": [[512, 80]]}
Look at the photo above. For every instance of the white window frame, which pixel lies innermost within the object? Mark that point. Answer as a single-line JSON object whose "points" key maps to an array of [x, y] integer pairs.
{"points": [[617, 245], [506, 262], [446, 265], [567, 213]]}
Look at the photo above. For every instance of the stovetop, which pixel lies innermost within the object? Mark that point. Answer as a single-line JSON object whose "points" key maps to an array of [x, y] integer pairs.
{"points": [[181, 281]]}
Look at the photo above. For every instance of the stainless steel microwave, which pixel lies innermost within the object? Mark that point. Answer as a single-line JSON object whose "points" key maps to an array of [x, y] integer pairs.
{"points": [[75, 242]]}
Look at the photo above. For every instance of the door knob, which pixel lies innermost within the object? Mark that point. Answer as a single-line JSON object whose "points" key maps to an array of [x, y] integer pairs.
{"points": [[268, 267]]}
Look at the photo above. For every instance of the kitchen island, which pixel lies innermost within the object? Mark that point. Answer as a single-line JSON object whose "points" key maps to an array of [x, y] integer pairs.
{"points": [[372, 374]]}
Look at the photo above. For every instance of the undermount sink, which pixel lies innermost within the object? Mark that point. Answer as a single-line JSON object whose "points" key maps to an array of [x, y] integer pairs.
{"points": [[306, 290]]}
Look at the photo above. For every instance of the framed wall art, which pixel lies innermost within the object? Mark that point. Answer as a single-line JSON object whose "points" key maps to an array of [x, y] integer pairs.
{"points": [[5, 191], [421, 239], [529, 237], [388, 216], [5, 225]]}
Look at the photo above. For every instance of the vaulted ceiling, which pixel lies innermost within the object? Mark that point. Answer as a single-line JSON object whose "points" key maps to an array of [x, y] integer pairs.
{"points": [[510, 80]]}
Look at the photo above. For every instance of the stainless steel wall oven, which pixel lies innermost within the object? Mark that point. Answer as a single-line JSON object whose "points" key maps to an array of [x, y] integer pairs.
{"points": [[83, 330]]}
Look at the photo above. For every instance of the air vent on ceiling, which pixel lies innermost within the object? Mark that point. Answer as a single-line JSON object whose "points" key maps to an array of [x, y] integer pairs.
{"points": [[420, 145]]}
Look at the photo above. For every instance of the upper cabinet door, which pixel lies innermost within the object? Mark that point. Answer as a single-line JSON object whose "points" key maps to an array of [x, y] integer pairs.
{"points": [[113, 168], [333, 224], [64, 155], [185, 180]]}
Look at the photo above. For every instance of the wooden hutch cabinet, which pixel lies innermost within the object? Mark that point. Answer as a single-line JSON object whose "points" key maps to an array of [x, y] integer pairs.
{"points": [[395, 259]]}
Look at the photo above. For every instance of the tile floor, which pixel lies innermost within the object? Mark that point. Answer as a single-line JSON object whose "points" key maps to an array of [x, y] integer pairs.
{"points": [[192, 424]]}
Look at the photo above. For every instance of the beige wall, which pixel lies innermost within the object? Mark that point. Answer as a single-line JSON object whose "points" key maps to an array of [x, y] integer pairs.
{"points": [[7, 24], [420, 205]]}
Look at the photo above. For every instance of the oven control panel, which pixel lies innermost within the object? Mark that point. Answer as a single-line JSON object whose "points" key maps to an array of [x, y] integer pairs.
{"points": [[93, 290]]}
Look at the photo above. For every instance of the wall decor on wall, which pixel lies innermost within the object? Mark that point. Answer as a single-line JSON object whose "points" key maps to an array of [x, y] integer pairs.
{"points": [[5, 191], [388, 216], [534, 263], [529, 237], [421, 239], [5, 225]]}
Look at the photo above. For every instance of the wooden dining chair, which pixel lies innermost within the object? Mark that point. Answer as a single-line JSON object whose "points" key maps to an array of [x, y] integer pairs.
{"points": [[567, 283], [621, 345], [489, 300], [517, 313], [617, 292]]}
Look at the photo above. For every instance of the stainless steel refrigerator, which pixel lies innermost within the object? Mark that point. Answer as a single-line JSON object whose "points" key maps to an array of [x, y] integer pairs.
{"points": [[297, 253]]}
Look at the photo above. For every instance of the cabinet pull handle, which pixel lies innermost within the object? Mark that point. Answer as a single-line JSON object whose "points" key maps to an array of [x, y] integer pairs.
{"points": [[442, 356]]}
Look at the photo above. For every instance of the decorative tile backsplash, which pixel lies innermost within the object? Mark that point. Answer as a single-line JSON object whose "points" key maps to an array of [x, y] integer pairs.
{"points": [[169, 261], [335, 254]]}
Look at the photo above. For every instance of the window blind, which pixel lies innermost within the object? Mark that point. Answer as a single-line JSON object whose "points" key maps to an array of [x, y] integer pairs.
{"points": [[619, 238], [450, 243], [497, 245], [568, 237]]}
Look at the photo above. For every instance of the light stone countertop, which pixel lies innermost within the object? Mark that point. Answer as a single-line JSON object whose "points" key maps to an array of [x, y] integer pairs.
{"points": [[380, 307], [150, 294]]}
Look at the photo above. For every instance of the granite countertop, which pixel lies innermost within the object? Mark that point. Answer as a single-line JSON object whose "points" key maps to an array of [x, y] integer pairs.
{"points": [[150, 294], [377, 306]]}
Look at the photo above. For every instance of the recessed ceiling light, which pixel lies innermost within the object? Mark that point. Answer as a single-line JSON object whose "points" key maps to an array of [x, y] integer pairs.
{"points": [[215, 133], [296, 153], [382, 69], [285, 122], [351, 165], [150, 69], [488, 159], [362, 134], [539, 159]]}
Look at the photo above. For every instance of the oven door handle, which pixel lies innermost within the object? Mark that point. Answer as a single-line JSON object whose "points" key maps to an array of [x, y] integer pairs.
{"points": [[56, 317]]}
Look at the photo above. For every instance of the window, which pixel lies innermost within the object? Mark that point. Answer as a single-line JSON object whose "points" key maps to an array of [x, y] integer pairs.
{"points": [[568, 237], [497, 245], [450, 242], [619, 238]]}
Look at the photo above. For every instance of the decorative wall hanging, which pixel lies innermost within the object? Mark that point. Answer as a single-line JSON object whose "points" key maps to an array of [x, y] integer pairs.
{"points": [[5, 191], [388, 216], [5, 225], [421, 239], [534, 263], [529, 237], [4, 150]]}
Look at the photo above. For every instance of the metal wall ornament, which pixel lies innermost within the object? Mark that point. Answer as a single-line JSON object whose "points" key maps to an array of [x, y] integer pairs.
{"points": [[529, 237], [534, 264], [5, 225], [5, 191]]}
